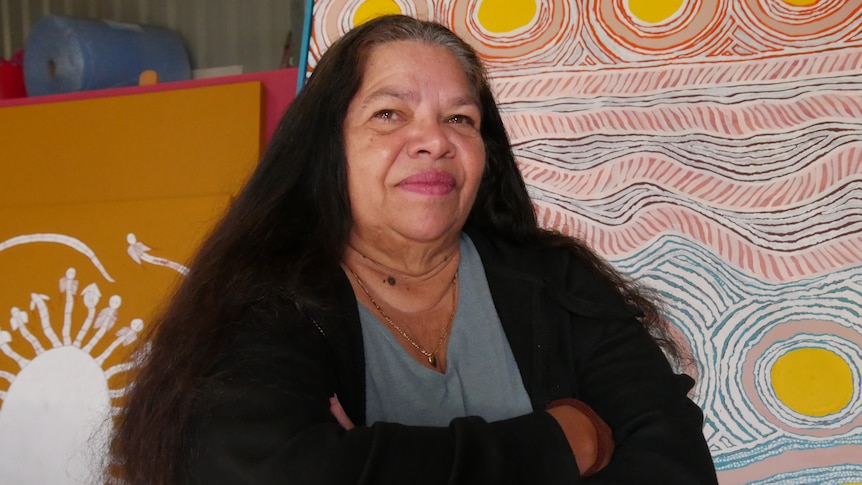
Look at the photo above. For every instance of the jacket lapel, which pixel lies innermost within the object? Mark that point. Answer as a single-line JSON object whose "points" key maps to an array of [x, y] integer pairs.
{"points": [[340, 325]]}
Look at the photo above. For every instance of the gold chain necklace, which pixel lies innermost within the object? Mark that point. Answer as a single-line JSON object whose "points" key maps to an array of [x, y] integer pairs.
{"points": [[431, 356]]}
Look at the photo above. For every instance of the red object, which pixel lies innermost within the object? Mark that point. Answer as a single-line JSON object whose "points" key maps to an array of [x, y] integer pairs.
{"points": [[12, 77]]}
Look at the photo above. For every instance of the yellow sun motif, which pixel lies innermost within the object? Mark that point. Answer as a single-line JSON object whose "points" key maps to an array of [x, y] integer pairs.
{"points": [[371, 9], [802, 3], [654, 11], [501, 16], [812, 381]]}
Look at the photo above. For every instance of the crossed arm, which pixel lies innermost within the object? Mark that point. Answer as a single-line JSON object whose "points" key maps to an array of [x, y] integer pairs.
{"points": [[266, 417]]}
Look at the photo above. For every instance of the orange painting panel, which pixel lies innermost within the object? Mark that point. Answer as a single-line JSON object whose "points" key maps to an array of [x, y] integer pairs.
{"points": [[103, 203], [79, 177]]}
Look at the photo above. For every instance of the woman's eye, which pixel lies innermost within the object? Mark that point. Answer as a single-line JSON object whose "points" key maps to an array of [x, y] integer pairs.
{"points": [[385, 114], [462, 120]]}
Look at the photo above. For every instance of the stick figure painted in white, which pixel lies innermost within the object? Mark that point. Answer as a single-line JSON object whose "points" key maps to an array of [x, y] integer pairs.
{"points": [[19, 321], [69, 286], [104, 322], [138, 252], [125, 336], [91, 295], [37, 301], [5, 338]]}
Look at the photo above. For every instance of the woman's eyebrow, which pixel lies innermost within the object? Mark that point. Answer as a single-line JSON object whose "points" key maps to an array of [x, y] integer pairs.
{"points": [[410, 95], [390, 93], [462, 101]]}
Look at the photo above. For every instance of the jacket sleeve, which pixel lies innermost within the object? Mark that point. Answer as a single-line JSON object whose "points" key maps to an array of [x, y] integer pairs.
{"points": [[264, 418], [658, 430], [589, 345]]}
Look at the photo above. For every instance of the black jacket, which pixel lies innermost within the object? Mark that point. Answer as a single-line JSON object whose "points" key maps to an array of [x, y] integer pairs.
{"points": [[264, 415]]}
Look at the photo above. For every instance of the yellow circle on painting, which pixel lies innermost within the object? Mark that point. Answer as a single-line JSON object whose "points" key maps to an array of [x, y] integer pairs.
{"points": [[812, 381], [802, 3], [501, 16], [371, 9], [654, 11]]}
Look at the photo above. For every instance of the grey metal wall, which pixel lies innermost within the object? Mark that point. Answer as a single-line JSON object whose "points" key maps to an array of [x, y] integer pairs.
{"points": [[251, 33]]}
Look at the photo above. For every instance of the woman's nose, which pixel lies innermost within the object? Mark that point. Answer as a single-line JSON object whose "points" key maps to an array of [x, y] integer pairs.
{"points": [[429, 139]]}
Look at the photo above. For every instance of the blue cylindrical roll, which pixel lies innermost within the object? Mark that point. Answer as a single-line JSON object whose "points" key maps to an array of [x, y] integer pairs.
{"points": [[68, 54]]}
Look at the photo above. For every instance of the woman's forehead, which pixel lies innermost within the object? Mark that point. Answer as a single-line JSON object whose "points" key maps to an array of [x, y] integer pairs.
{"points": [[396, 70]]}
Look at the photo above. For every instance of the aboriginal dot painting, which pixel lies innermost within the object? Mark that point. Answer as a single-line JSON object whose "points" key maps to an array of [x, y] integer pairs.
{"points": [[712, 149]]}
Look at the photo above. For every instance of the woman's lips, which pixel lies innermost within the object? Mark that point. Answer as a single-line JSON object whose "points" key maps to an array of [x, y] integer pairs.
{"points": [[429, 183]]}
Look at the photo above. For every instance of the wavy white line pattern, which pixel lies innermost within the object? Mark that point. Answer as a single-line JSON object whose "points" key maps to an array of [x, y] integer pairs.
{"points": [[716, 155]]}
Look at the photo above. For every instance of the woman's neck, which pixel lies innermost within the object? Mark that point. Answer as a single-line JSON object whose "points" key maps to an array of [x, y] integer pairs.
{"points": [[405, 262], [395, 272], [407, 288], [417, 306]]}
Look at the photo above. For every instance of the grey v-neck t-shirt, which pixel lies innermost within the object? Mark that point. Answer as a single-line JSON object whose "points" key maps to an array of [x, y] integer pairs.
{"points": [[481, 378]]}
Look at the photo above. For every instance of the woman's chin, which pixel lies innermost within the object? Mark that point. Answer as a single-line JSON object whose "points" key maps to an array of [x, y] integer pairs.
{"points": [[432, 233]]}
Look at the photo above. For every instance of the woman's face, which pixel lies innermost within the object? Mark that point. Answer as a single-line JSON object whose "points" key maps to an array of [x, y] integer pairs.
{"points": [[414, 152]]}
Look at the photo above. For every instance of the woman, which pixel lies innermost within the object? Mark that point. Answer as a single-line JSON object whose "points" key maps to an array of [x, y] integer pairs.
{"points": [[379, 305]]}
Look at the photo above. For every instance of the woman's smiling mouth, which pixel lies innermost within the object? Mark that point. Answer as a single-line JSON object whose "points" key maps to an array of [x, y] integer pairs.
{"points": [[432, 182]]}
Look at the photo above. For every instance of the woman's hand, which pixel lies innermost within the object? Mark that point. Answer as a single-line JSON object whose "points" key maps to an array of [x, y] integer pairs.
{"points": [[338, 411], [590, 438]]}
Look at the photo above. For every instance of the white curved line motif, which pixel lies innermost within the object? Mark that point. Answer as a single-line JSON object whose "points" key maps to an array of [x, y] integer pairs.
{"points": [[69, 241]]}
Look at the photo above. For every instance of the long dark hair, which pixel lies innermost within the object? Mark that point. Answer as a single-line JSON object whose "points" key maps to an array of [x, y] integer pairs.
{"points": [[284, 236]]}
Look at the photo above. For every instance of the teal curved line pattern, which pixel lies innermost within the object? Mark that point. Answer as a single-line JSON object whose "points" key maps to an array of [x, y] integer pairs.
{"points": [[781, 446], [832, 475], [723, 313]]}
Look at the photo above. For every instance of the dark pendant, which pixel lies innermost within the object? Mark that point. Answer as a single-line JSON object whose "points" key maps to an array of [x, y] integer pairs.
{"points": [[432, 359]]}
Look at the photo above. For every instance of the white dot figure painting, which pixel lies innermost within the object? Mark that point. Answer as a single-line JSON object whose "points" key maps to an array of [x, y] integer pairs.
{"points": [[60, 396]]}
